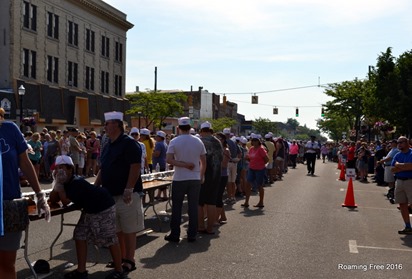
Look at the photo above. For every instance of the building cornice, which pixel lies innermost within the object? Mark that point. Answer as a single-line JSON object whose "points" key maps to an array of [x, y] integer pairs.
{"points": [[103, 12]]}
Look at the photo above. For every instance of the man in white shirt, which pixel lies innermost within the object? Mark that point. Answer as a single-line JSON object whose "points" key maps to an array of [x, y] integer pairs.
{"points": [[311, 149]]}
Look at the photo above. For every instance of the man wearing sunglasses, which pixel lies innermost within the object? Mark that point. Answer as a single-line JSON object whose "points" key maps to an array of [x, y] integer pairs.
{"points": [[402, 168]]}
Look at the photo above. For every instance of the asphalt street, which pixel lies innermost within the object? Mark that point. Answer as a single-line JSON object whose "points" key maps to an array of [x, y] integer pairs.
{"points": [[302, 232]]}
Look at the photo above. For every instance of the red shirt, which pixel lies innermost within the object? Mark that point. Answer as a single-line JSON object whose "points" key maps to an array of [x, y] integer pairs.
{"points": [[351, 153], [257, 158]]}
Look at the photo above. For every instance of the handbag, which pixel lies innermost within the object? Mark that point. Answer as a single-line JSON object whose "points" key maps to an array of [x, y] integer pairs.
{"points": [[15, 215]]}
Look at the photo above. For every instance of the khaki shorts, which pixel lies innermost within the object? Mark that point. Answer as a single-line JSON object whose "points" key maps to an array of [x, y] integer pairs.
{"points": [[129, 218], [232, 171], [403, 191]]}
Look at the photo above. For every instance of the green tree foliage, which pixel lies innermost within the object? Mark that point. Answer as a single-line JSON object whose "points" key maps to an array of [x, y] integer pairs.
{"points": [[219, 124], [333, 125], [155, 107], [293, 123], [264, 125]]}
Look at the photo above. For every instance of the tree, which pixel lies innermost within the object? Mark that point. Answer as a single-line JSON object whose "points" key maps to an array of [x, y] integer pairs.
{"points": [[293, 123], [156, 107], [219, 124], [264, 125]]}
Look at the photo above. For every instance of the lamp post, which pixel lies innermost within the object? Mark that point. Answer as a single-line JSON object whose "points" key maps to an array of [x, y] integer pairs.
{"points": [[139, 114], [22, 91]]}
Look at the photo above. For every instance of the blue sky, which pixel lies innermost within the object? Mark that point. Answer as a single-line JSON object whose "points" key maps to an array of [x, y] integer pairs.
{"points": [[246, 46]]}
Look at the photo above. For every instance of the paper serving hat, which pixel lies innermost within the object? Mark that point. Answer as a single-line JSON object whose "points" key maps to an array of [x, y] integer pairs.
{"points": [[134, 130], [161, 134], [183, 121], [64, 160], [145, 131], [113, 115], [226, 131], [206, 125]]}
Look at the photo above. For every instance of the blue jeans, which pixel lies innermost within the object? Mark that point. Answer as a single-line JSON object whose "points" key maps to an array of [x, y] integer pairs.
{"points": [[191, 188]]}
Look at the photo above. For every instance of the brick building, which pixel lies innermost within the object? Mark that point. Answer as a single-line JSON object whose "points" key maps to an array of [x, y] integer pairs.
{"points": [[70, 55]]}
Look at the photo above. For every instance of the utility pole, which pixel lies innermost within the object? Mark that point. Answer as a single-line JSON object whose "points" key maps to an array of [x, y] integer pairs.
{"points": [[155, 81]]}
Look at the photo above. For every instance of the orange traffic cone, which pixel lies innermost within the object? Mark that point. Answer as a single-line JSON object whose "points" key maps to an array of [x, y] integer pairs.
{"points": [[350, 197], [342, 173]]}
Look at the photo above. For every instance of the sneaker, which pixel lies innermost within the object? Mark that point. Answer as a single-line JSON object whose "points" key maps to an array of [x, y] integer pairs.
{"points": [[116, 275], [405, 231], [76, 275]]}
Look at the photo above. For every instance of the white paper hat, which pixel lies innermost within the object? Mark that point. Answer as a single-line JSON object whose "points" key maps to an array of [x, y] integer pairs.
{"points": [[145, 131], [64, 160], [254, 136], [206, 125], [183, 121], [134, 130], [113, 115], [243, 140], [226, 131], [192, 131], [161, 134], [268, 136]]}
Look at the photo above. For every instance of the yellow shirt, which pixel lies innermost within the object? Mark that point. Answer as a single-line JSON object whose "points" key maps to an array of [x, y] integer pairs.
{"points": [[149, 150]]}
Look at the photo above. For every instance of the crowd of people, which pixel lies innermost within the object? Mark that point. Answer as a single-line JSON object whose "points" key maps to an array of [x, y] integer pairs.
{"points": [[211, 168]]}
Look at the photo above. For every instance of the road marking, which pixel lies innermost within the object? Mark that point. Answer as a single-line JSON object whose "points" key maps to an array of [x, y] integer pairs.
{"points": [[353, 248]]}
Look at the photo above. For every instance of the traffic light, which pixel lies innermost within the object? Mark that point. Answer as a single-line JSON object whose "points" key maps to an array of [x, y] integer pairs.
{"points": [[322, 112], [275, 110], [297, 112], [255, 99]]}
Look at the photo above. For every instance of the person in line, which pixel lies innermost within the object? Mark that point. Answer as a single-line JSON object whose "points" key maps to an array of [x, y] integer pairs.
{"points": [[74, 148], [220, 210], [279, 158], [159, 161], [258, 158], [93, 150], [388, 175], [149, 144], [13, 155], [187, 154], [293, 153], [135, 134], [324, 150], [270, 146], [64, 143], [209, 188], [235, 155], [311, 149], [363, 155], [402, 168], [35, 156], [97, 223], [120, 174]]}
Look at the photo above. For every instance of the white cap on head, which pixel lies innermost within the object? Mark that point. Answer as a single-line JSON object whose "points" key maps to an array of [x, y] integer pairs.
{"points": [[113, 115], [134, 130], [64, 160], [192, 131], [161, 134], [268, 136], [226, 131], [243, 140], [206, 125], [183, 121], [254, 136], [145, 131]]}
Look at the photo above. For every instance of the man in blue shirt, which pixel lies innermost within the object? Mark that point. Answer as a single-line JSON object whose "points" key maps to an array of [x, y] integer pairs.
{"points": [[402, 167]]}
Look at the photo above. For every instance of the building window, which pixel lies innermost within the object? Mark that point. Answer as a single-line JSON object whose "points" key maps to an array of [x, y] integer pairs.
{"points": [[105, 46], [29, 63], [90, 40], [89, 78], [73, 34], [72, 74], [52, 69], [29, 16], [118, 85], [52, 25], [104, 82], [119, 52]]}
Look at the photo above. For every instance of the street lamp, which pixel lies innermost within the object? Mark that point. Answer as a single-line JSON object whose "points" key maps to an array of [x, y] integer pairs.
{"points": [[139, 114], [22, 91]]}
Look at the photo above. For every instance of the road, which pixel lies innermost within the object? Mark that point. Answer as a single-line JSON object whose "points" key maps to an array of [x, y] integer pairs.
{"points": [[302, 232]]}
